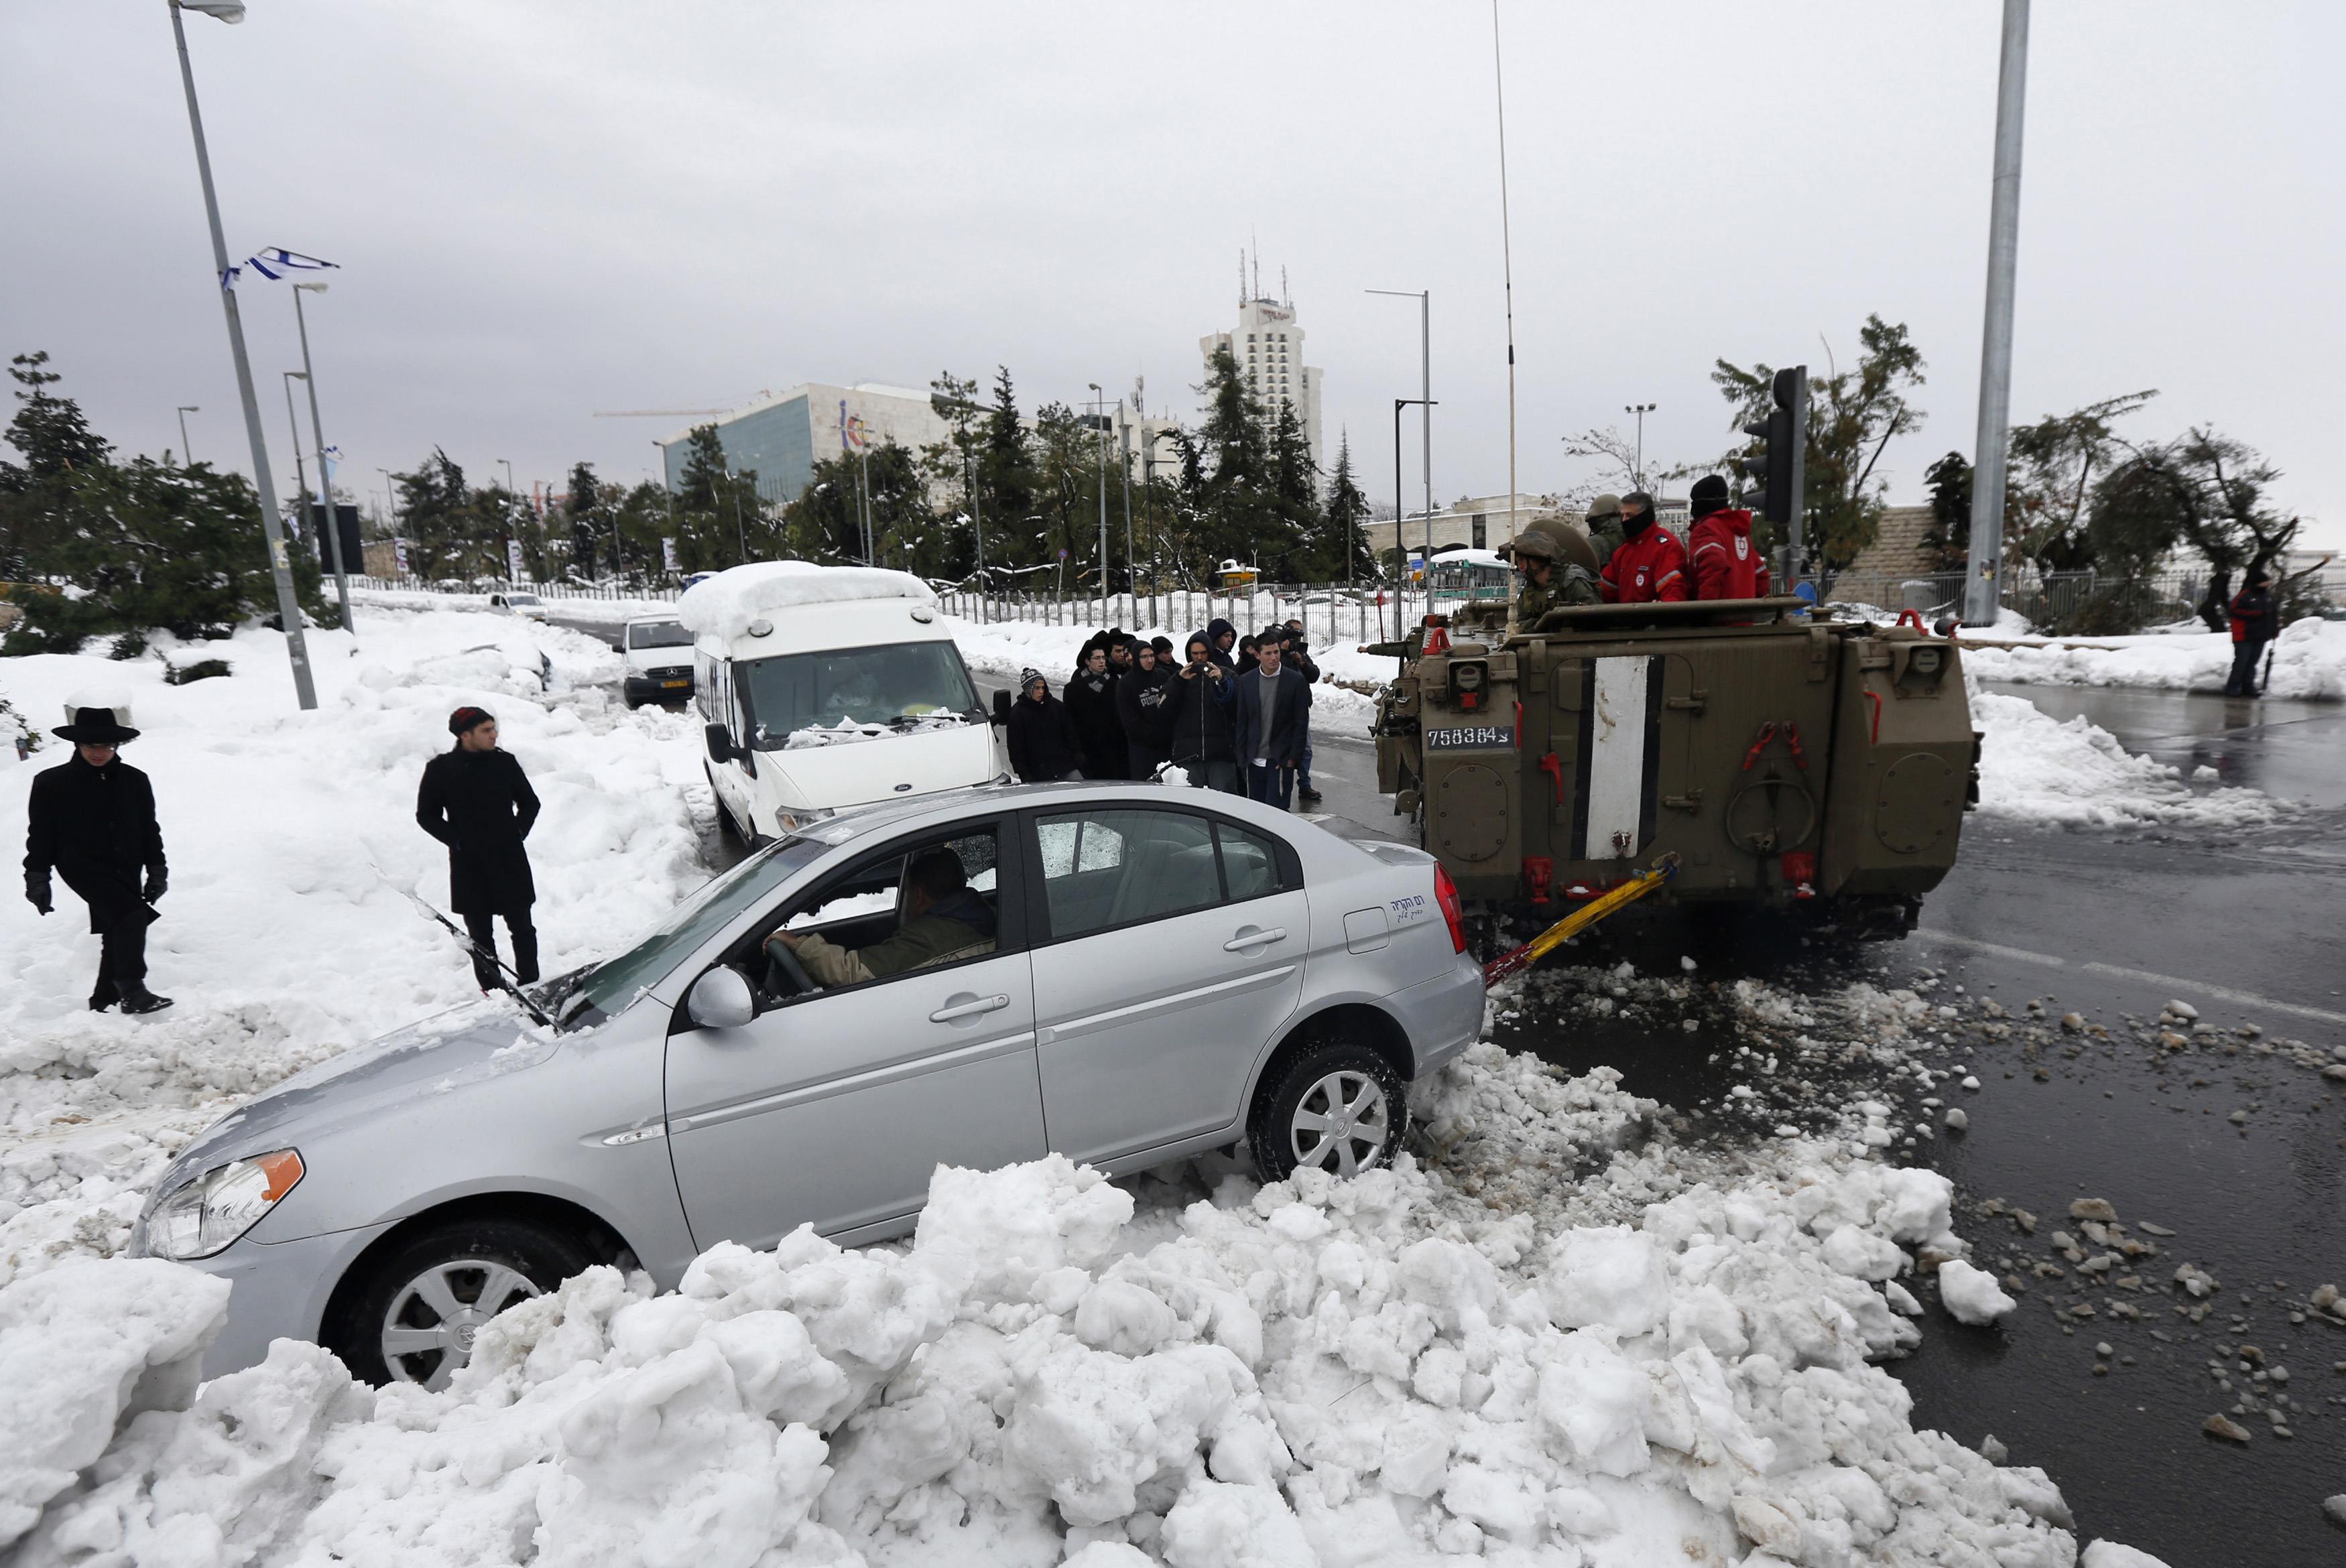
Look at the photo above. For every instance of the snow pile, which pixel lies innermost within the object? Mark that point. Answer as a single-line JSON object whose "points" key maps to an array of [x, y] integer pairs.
{"points": [[2076, 775], [1381, 1370], [2309, 660], [279, 941], [727, 603]]}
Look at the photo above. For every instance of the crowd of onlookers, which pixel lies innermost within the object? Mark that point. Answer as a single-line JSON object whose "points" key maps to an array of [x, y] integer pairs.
{"points": [[1232, 713]]}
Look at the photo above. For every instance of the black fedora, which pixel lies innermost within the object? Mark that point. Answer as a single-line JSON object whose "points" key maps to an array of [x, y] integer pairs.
{"points": [[94, 727]]}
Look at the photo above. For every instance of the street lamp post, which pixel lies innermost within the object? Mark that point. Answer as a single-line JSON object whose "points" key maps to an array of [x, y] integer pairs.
{"points": [[301, 474], [289, 610], [1982, 592], [1400, 549], [185, 409], [1100, 407], [325, 475], [1641, 410], [1424, 297], [1124, 459]]}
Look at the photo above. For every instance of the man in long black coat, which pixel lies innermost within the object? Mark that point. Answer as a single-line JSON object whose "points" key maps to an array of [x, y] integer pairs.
{"points": [[92, 819], [475, 799]]}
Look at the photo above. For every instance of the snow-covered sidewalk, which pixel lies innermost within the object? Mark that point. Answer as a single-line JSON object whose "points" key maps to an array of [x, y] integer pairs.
{"points": [[2309, 660]]}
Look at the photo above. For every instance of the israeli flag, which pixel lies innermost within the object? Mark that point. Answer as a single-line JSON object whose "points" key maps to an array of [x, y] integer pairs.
{"points": [[273, 262]]}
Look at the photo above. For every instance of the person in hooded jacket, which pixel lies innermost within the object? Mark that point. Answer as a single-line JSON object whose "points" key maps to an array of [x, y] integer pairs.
{"points": [[1220, 638], [475, 799], [1143, 701], [1725, 565], [1091, 710], [1043, 748], [1650, 565], [91, 819], [1203, 740]]}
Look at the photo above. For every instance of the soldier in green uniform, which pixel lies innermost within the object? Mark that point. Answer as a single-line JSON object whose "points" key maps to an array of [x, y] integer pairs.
{"points": [[1604, 532], [1552, 561]]}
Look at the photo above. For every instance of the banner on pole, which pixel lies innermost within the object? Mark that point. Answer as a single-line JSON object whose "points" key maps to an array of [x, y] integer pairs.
{"points": [[399, 555], [667, 552], [513, 560]]}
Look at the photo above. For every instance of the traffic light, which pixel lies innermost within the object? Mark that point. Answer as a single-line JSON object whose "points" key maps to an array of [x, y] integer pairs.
{"points": [[1784, 435]]}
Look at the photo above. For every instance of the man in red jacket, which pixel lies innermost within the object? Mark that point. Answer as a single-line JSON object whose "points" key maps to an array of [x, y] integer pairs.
{"points": [[1726, 566], [1649, 565]]}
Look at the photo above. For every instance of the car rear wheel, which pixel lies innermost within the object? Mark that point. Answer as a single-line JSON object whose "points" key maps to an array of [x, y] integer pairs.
{"points": [[413, 1316], [1339, 1107]]}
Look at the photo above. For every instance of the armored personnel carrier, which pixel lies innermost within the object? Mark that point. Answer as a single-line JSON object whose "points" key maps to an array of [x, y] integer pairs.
{"points": [[1781, 760]]}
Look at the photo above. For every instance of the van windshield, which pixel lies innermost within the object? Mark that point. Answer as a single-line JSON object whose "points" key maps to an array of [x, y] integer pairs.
{"points": [[659, 635], [904, 685]]}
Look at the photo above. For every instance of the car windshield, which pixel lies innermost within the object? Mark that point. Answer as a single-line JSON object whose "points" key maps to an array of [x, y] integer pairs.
{"points": [[521, 599], [659, 635], [897, 684], [610, 986]]}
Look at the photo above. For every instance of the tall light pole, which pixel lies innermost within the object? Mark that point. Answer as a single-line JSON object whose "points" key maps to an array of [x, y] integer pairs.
{"points": [[1641, 410], [1424, 297], [185, 409], [301, 474], [1124, 456], [1982, 593], [1099, 406], [1401, 550], [289, 611], [325, 477]]}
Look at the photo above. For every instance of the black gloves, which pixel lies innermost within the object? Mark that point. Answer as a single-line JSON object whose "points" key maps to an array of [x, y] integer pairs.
{"points": [[158, 884], [37, 889]]}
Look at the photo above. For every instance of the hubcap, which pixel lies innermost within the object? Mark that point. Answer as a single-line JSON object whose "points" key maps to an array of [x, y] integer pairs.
{"points": [[1340, 1125], [429, 1331]]}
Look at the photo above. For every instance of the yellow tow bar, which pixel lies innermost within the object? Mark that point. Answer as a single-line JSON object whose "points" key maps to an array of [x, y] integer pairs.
{"points": [[1612, 899]]}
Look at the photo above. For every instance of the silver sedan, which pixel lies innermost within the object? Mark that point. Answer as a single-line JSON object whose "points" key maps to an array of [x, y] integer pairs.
{"points": [[1125, 974]]}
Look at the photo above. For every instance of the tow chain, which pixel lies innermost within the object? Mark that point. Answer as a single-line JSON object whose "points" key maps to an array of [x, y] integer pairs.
{"points": [[1612, 899]]}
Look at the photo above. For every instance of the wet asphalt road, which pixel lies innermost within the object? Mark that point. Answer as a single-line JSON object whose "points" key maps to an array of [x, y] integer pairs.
{"points": [[2245, 925]]}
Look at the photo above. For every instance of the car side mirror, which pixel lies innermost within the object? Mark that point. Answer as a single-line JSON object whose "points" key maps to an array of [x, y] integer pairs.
{"points": [[720, 999], [1002, 707], [720, 742]]}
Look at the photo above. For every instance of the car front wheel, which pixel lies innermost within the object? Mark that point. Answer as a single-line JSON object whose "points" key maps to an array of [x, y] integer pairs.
{"points": [[1339, 1107], [413, 1316]]}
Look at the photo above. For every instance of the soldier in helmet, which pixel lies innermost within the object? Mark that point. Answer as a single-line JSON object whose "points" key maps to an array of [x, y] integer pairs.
{"points": [[1604, 528], [1557, 569]]}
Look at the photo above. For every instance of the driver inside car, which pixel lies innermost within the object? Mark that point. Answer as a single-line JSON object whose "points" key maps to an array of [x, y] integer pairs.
{"points": [[943, 919]]}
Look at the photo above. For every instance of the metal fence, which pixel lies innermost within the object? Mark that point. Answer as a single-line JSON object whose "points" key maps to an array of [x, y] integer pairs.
{"points": [[591, 590]]}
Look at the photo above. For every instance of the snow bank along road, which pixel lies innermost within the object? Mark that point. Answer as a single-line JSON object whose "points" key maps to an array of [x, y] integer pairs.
{"points": [[1556, 1332]]}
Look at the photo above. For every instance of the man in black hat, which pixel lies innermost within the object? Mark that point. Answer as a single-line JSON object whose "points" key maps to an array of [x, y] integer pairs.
{"points": [[475, 799], [92, 819]]}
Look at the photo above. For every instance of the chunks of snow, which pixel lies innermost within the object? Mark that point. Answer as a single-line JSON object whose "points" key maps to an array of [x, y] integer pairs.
{"points": [[1970, 1294], [1610, 1277], [725, 604], [2110, 1554], [85, 1346]]}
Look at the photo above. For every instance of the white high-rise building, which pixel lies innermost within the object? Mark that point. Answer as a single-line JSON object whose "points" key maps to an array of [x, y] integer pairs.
{"points": [[1269, 348]]}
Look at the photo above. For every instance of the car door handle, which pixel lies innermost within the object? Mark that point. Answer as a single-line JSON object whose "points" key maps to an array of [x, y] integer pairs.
{"points": [[968, 1009], [1246, 939]]}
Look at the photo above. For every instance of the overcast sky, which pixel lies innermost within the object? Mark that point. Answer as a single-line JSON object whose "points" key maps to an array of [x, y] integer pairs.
{"points": [[544, 210]]}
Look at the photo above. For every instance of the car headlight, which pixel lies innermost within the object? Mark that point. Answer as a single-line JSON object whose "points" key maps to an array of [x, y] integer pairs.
{"points": [[202, 1217]]}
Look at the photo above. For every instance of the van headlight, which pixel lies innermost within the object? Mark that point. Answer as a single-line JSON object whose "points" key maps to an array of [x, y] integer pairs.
{"points": [[203, 1215]]}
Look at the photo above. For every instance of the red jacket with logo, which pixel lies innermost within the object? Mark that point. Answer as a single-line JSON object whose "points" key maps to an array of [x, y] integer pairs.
{"points": [[1651, 567], [1726, 566]]}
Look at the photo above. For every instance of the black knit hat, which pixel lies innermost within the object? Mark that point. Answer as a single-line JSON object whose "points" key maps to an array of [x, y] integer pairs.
{"points": [[466, 719], [1708, 494]]}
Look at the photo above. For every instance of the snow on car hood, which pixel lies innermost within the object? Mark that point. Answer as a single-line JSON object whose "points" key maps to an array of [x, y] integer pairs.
{"points": [[856, 769], [448, 1049], [848, 730]]}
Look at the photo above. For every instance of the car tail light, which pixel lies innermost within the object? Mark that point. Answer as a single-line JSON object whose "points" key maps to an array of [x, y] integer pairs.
{"points": [[1445, 893]]}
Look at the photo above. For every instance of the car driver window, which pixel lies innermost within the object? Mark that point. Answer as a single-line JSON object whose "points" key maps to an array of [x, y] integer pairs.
{"points": [[1107, 869], [1250, 864], [929, 904]]}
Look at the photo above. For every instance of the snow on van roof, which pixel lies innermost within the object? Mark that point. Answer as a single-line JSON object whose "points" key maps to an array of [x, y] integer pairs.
{"points": [[727, 603]]}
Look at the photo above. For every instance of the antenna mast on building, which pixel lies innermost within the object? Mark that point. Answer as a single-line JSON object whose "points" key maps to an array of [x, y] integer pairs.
{"points": [[1254, 246], [1241, 277], [1284, 297]]}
